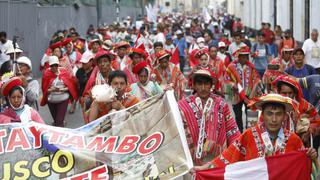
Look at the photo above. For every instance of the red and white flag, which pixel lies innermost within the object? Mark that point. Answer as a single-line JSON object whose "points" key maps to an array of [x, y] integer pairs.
{"points": [[175, 56], [242, 94], [138, 37], [293, 166]]}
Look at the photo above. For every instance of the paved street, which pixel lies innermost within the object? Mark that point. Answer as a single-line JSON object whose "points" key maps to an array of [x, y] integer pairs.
{"points": [[72, 120]]}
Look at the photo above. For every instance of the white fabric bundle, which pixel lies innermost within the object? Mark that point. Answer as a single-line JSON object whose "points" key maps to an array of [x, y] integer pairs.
{"points": [[103, 93]]}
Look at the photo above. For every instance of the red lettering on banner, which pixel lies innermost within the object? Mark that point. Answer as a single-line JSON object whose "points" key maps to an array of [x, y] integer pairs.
{"points": [[55, 137], [143, 148], [37, 133], [80, 177], [3, 133], [17, 138], [75, 141], [128, 144], [100, 173], [98, 144]]}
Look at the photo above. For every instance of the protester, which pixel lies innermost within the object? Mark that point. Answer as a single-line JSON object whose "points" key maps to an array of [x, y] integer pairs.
{"points": [[58, 86], [18, 111], [83, 74], [31, 85], [181, 43], [5, 46], [121, 49], [207, 141], [242, 83], [118, 81], [300, 69], [223, 54], [290, 87], [259, 141], [288, 40], [218, 67], [145, 87], [168, 75], [236, 44], [261, 54], [311, 48]]}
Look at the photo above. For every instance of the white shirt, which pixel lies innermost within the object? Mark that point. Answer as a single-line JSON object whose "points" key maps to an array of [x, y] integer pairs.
{"points": [[312, 52], [3, 48], [160, 38], [234, 47]]}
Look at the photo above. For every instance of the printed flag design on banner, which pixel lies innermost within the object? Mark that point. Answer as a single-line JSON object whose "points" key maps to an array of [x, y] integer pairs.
{"points": [[146, 142], [290, 166]]}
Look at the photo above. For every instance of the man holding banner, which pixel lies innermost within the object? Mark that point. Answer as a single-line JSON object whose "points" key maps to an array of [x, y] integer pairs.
{"points": [[209, 125], [265, 139]]}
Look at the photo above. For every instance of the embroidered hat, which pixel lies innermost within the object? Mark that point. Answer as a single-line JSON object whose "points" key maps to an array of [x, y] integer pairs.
{"points": [[66, 41], [103, 53], [139, 66], [162, 54], [200, 52], [8, 84], [55, 45], [137, 51], [292, 82]]}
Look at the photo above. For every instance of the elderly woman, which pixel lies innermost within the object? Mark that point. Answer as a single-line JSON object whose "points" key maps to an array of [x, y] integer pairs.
{"points": [[17, 110], [30, 84], [58, 86]]}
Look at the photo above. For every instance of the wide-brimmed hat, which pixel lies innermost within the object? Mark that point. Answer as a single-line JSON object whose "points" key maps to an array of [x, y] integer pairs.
{"points": [[288, 103], [11, 50], [205, 72], [24, 60]]}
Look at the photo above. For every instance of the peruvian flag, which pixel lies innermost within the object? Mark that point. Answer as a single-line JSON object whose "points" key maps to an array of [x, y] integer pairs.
{"points": [[175, 56], [290, 166], [138, 37]]}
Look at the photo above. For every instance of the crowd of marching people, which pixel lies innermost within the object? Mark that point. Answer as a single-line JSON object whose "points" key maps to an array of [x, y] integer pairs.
{"points": [[233, 70]]}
